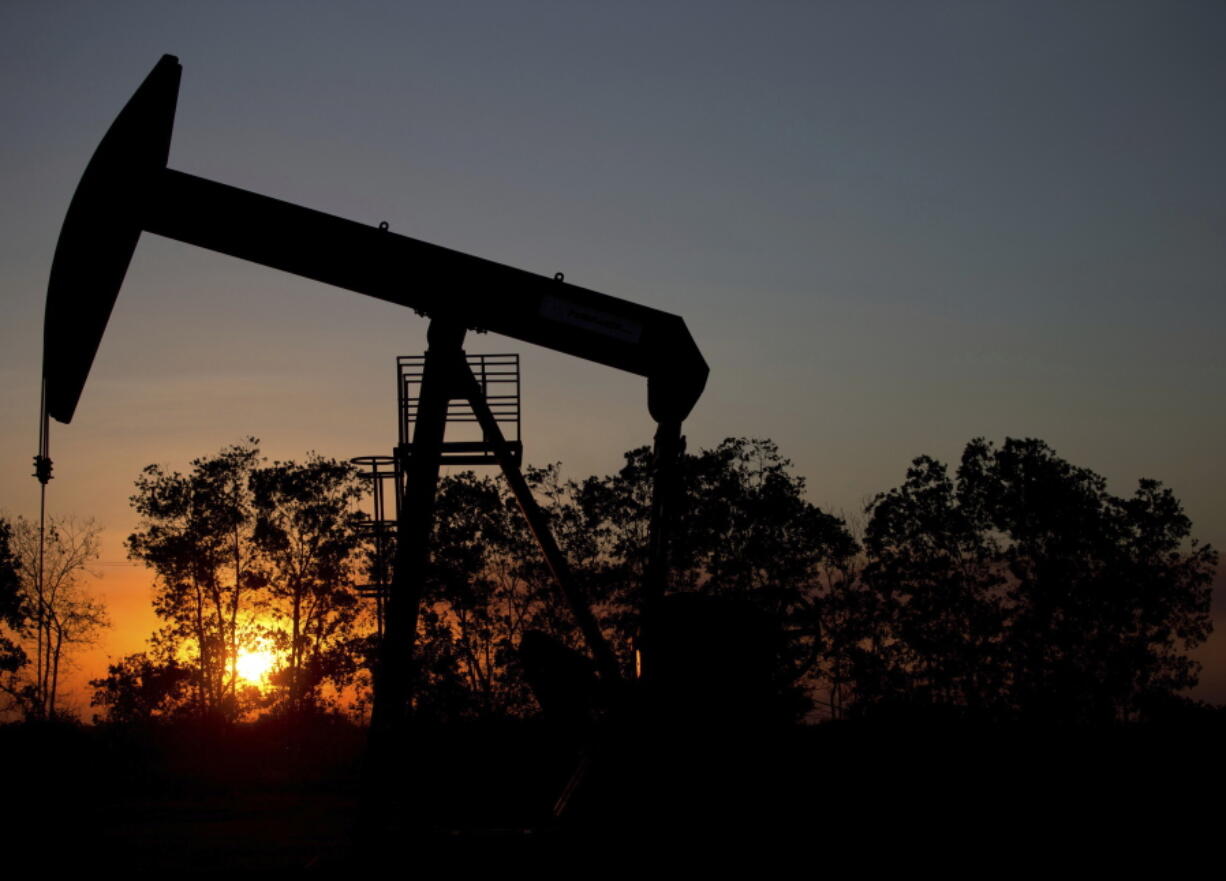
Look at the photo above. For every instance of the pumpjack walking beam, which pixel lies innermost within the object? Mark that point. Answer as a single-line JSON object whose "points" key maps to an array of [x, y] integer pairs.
{"points": [[127, 189]]}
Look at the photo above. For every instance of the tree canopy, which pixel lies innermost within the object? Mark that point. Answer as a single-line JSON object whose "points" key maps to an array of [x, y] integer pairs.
{"points": [[307, 531], [1017, 587], [52, 614], [196, 534], [251, 558], [744, 532], [1022, 587], [13, 612]]}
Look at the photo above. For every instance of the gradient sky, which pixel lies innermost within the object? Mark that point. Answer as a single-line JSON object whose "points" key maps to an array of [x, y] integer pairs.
{"points": [[891, 227]]}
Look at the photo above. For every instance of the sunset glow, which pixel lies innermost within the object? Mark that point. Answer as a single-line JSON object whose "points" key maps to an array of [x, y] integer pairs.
{"points": [[254, 666]]}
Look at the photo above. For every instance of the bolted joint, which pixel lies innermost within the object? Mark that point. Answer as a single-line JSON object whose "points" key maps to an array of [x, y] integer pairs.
{"points": [[42, 469]]}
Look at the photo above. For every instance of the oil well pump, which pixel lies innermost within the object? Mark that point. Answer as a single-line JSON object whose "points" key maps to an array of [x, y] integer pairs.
{"points": [[128, 189]]}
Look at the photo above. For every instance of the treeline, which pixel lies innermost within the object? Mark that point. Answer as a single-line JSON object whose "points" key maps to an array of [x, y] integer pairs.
{"points": [[1015, 588]]}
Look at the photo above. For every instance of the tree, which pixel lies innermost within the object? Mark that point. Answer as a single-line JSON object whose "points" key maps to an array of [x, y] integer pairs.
{"points": [[487, 585], [745, 533], [140, 690], [935, 575], [251, 559], [60, 614], [307, 531], [1024, 587], [14, 614], [196, 534]]}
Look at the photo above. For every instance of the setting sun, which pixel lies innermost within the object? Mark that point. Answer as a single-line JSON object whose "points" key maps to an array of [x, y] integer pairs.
{"points": [[254, 666]]}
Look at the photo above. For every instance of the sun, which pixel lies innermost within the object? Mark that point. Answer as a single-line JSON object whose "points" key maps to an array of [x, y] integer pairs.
{"points": [[254, 666]]}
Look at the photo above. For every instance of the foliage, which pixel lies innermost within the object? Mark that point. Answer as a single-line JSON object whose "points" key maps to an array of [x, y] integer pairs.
{"points": [[1024, 587], [251, 556], [487, 586], [196, 534], [307, 531], [747, 531], [744, 531], [1017, 587], [56, 614], [936, 581], [139, 689], [13, 611]]}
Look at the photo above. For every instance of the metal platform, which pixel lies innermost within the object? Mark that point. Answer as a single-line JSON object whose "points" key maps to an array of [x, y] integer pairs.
{"points": [[465, 444], [498, 376]]}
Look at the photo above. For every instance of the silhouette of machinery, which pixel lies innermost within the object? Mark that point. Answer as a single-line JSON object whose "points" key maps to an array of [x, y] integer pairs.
{"points": [[498, 378], [127, 189]]}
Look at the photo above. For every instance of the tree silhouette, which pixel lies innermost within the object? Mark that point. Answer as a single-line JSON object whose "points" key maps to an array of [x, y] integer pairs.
{"points": [[61, 614], [306, 530], [248, 557], [1024, 587], [13, 612], [744, 533], [196, 534], [935, 574], [486, 589], [139, 690], [1017, 587]]}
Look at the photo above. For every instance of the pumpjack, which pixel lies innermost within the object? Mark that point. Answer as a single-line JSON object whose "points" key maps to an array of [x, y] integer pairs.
{"points": [[127, 189]]}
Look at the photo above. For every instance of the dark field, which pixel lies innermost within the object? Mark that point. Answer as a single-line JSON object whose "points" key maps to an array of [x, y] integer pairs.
{"points": [[264, 797]]}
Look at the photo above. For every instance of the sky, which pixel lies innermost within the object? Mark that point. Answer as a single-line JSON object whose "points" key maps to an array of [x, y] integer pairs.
{"points": [[890, 226]]}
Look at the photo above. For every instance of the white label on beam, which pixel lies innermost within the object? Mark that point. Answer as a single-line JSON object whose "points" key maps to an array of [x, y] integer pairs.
{"points": [[557, 309]]}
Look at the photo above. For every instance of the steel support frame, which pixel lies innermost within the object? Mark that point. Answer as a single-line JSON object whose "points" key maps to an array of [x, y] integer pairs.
{"points": [[394, 671], [446, 375]]}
